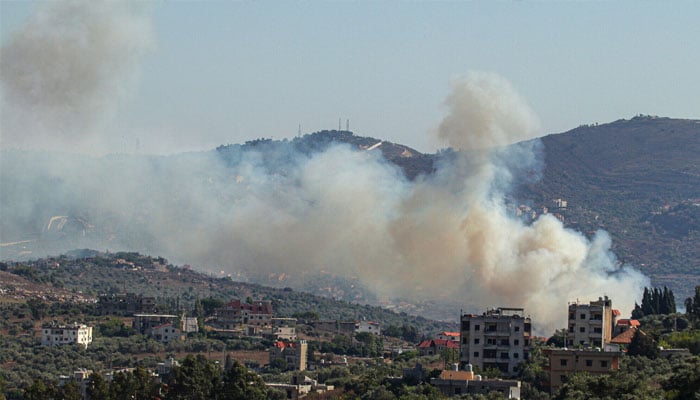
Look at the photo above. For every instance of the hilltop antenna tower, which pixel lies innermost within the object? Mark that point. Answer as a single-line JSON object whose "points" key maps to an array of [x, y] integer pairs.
{"points": [[347, 124], [299, 133], [339, 122]]}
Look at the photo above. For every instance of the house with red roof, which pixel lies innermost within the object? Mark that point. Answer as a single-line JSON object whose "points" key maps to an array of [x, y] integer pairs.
{"points": [[435, 346], [294, 353], [623, 325], [454, 336]]}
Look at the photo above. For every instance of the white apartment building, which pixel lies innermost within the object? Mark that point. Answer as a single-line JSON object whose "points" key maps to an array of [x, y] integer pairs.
{"points": [[368, 327], [56, 335], [498, 338], [591, 325]]}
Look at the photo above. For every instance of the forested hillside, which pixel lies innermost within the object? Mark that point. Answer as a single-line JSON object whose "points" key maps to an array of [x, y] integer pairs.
{"points": [[639, 180]]}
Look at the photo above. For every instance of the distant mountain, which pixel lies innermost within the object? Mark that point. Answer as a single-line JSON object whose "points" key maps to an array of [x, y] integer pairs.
{"points": [[639, 180]]}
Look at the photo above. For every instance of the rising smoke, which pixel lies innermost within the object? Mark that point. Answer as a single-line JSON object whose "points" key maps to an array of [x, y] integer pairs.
{"points": [[65, 71], [447, 237]]}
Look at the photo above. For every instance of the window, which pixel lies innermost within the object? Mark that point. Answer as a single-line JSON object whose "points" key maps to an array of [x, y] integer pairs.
{"points": [[476, 327], [464, 340], [476, 354], [465, 325], [583, 316], [597, 330], [476, 341], [515, 355], [516, 342], [563, 362], [517, 329], [504, 355], [603, 363], [582, 329], [571, 329], [589, 363]]}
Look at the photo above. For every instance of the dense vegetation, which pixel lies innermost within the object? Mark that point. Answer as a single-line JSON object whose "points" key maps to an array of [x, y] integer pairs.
{"points": [[30, 371], [638, 179], [655, 301]]}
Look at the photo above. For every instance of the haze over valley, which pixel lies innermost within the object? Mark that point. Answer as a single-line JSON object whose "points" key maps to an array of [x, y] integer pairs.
{"points": [[453, 229]]}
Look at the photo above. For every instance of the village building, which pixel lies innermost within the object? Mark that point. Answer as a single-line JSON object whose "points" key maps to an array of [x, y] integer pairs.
{"points": [[284, 329], [236, 314], [368, 327], [81, 377], [591, 325], [623, 325], [455, 383], [144, 323], [125, 304], [430, 347], [301, 386], [562, 363], [293, 353], [498, 338], [189, 324], [348, 327], [454, 336], [56, 335], [164, 333]]}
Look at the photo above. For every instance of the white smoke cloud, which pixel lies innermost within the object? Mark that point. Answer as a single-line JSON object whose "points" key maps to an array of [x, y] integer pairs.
{"points": [[448, 237], [485, 111], [65, 71]]}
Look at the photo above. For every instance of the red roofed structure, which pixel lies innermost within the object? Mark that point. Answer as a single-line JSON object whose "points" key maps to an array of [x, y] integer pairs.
{"points": [[448, 336], [435, 346]]}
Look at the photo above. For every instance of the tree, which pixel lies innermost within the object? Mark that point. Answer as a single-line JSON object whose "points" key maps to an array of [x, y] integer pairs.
{"points": [[684, 383], [449, 356], [138, 385], [655, 301], [692, 304], [240, 384], [37, 391], [37, 308], [643, 345], [196, 379], [3, 385], [97, 387], [558, 339], [69, 391]]}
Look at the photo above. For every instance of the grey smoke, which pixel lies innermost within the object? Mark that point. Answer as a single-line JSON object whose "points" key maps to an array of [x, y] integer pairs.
{"points": [[448, 237], [65, 71]]}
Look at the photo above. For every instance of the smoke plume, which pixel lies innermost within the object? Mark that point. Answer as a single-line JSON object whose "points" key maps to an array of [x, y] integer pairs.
{"points": [[65, 71], [449, 237]]}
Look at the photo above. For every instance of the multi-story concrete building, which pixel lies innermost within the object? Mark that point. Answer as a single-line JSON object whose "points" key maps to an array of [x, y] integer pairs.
{"points": [[564, 362], [56, 335], [126, 304], [144, 323], [498, 338], [294, 353], [234, 314], [591, 325], [164, 333]]}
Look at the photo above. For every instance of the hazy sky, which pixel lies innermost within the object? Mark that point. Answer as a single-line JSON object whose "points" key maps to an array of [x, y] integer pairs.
{"points": [[224, 72]]}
